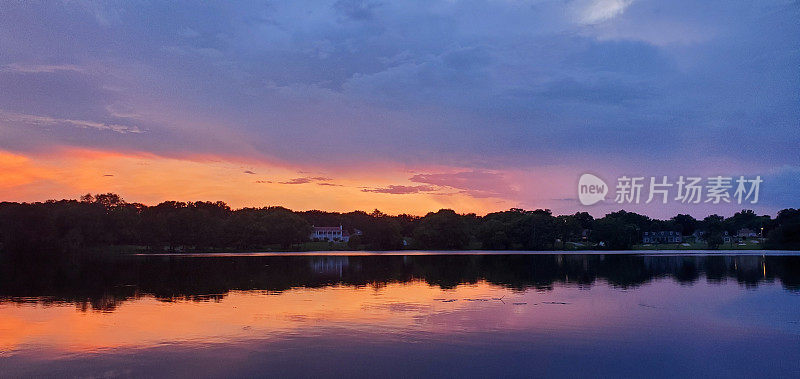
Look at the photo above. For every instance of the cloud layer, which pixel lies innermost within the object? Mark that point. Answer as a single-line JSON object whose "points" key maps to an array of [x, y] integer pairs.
{"points": [[460, 92]]}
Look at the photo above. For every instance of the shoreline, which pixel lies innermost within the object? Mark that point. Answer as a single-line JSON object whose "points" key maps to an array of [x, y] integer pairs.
{"points": [[346, 253]]}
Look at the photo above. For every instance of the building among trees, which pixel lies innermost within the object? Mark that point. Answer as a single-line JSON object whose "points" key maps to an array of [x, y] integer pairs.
{"points": [[331, 233], [662, 237]]}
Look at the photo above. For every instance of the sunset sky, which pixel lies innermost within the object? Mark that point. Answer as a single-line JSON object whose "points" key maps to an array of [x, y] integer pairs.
{"points": [[407, 107]]}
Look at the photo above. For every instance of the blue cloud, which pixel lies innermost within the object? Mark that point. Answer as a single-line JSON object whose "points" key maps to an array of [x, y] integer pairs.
{"points": [[471, 83]]}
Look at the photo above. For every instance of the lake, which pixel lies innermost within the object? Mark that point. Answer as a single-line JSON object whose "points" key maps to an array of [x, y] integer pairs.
{"points": [[403, 314]]}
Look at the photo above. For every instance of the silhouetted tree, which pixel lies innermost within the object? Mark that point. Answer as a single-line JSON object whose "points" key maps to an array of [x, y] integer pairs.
{"points": [[445, 230], [714, 230], [686, 224], [620, 230], [785, 233], [97, 221]]}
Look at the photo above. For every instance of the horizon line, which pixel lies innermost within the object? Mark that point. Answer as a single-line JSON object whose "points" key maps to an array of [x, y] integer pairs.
{"points": [[378, 210]]}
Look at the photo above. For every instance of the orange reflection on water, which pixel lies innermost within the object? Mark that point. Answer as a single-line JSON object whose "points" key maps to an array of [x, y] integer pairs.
{"points": [[147, 321], [390, 310]]}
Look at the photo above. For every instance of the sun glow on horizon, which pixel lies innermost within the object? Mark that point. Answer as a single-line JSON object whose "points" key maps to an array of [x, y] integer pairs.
{"points": [[150, 179]]}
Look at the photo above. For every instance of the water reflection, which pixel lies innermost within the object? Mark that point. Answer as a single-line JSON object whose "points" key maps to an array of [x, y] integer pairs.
{"points": [[102, 284], [512, 315]]}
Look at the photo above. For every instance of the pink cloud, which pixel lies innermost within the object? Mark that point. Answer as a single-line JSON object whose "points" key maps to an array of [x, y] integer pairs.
{"points": [[473, 183]]}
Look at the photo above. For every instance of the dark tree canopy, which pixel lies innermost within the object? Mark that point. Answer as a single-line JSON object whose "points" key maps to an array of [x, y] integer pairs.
{"points": [[105, 220]]}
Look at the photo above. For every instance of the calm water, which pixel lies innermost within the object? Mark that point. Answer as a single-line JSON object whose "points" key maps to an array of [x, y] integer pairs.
{"points": [[403, 315]]}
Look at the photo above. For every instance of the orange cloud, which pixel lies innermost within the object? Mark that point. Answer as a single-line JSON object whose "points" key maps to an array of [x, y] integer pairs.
{"points": [[151, 179], [18, 170]]}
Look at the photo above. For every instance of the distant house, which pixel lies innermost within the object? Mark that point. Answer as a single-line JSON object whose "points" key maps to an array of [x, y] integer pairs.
{"points": [[662, 236], [743, 234], [746, 233], [700, 236], [332, 234]]}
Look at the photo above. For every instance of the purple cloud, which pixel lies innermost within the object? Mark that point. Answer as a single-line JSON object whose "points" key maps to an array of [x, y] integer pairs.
{"points": [[474, 183], [305, 180], [489, 86]]}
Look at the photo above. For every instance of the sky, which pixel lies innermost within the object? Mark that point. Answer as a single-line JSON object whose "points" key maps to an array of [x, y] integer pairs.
{"points": [[406, 107]]}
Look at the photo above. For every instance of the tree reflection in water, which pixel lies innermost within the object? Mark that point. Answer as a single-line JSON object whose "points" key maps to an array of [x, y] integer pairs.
{"points": [[103, 283]]}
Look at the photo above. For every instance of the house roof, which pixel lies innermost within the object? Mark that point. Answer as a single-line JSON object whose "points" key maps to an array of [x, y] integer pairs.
{"points": [[327, 228]]}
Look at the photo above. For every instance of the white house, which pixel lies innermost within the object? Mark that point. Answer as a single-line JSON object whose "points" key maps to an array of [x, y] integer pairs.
{"points": [[329, 233], [332, 233]]}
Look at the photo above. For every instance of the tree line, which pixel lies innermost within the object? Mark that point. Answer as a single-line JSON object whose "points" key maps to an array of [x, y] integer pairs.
{"points": [[96, 221]]}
